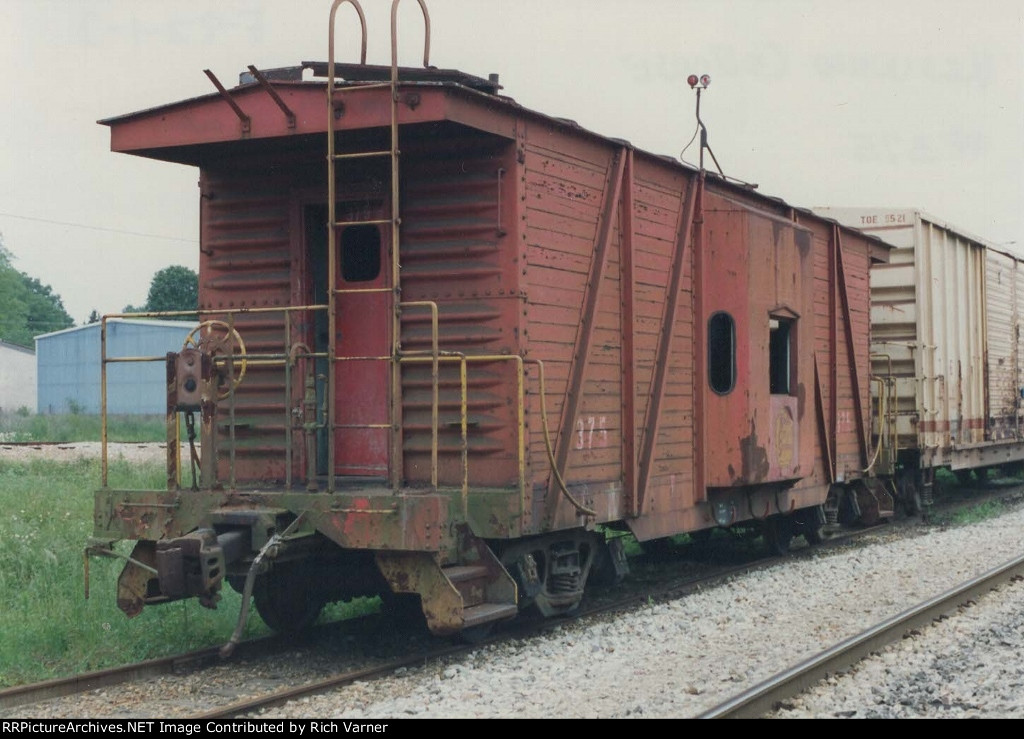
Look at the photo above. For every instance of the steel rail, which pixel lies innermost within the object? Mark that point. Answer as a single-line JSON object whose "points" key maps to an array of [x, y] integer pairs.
{"points": [[674, 588], [762, 698], [63, 687], [519, 629], [20, 695]]}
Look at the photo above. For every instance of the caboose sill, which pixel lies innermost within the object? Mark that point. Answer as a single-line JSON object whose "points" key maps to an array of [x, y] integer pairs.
{"points": [[403, 522]]}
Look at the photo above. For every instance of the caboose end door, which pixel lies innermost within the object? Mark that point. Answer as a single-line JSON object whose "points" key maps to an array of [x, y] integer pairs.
{"points": [[363, 314]]}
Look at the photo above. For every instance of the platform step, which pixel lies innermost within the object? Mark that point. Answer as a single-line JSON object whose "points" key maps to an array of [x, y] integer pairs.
{"points": [[470, 581], [487, 612]]}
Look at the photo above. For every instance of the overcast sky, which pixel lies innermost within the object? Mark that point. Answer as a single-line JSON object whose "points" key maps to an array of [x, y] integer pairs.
{"points": [[902, 103]]}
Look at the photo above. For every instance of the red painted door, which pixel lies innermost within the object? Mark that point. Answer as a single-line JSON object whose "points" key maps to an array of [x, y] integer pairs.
{"points": [[364, 305]]}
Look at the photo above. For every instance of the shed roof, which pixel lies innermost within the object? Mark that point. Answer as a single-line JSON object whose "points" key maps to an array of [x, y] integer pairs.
{"points": [[16, 347], [149, 323]]}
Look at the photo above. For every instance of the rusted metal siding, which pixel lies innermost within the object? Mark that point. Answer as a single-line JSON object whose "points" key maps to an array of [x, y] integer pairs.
{"points": [[457, 251], [666, 480], [246, 262], [852, 356], [753, 261], [565, 188], [600, 232], [840, 353], [538, 240], [758, 268]]}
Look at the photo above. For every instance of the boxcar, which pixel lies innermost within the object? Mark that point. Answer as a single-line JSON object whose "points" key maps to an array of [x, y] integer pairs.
{"points": [[445, 365], [946, 316]]}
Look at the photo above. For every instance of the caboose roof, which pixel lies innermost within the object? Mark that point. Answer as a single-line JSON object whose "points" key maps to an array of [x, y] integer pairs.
{"points": [[286, 111], [189, 131]]}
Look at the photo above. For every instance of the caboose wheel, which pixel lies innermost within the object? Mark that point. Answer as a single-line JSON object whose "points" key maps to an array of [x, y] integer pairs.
{"points": [[221, 341], [810, 523], [286, 605]]}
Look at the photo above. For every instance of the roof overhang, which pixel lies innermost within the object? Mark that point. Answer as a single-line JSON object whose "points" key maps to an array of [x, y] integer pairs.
{"points": [[181, 131]]}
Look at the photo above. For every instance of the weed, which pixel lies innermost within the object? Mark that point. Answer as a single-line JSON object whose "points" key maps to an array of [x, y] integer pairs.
{"points": [[975, 513], [79, 426], [49, 629]]}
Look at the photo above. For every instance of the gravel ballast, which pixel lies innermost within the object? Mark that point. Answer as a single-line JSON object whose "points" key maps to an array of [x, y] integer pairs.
{"points": [[677, 659]]}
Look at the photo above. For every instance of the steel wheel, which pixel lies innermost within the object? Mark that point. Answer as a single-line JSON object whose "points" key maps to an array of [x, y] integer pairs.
{"points": [[286, 605]]}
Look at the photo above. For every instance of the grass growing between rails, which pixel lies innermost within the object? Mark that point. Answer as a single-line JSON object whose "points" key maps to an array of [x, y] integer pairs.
{"points": [[48, 628], [22, 426]]}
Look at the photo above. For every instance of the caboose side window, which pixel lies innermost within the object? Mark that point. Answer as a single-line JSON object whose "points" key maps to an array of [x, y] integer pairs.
{"points": [[360, 253], [721, 353], [780, 353]]}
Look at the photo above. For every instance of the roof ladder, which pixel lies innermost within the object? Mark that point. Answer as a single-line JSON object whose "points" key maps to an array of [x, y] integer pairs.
{"points": [[334, 292]]}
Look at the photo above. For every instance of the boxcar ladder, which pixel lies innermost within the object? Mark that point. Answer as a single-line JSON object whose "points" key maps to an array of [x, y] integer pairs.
{"points": [[393, 219]]}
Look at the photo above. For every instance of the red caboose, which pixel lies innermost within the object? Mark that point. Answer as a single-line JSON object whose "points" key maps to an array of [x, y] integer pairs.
{"points": [[443, 362]]}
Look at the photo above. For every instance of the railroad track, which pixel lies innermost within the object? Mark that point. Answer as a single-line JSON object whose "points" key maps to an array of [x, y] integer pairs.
{"points": [[602, 602], [20, 695], [671, 586], [760, 699], [522, 629]]}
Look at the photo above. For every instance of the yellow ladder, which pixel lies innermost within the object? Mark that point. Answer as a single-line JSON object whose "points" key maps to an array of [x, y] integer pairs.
{"points": [[394, 424]]}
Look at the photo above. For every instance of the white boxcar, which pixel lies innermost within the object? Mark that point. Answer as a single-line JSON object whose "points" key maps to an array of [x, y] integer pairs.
{"points": [[946, 351]]}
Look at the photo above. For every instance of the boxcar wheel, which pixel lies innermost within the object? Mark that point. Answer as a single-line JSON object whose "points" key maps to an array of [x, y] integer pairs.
{"points": [[286, 605], [813, 533]]}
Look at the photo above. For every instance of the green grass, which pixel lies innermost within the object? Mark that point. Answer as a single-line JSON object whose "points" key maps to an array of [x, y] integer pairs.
{"points": [[48, 628], [975, 513], [22, 426]]}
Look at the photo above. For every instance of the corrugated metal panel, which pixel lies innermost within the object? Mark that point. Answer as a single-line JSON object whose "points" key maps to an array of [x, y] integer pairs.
{"points": [[246, 262], [1018, 354], [1003, 313], [951, 275], [453, 233], [69, 367]]}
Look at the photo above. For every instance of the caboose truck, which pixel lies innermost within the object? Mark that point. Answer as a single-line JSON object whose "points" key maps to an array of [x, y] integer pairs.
{"points": [[486, 339]]}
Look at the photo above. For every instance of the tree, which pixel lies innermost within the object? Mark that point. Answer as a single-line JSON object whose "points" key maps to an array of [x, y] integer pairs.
{"points": [[171, 289], [27, 306]]}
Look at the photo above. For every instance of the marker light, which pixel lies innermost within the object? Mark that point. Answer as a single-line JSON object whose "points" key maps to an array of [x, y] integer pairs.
{"points": [[692, 80], [705, 79]]}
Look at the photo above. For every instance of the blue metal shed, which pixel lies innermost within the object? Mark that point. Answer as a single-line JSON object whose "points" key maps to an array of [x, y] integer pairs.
{"points": [[68, 364]]}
